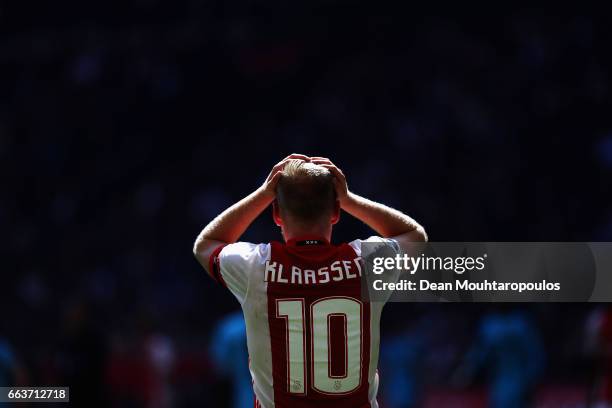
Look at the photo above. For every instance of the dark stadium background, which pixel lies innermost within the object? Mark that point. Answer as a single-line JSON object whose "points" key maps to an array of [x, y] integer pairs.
{"points": [[126, 126]]}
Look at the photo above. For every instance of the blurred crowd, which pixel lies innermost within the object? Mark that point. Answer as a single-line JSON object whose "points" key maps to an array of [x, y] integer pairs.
{"points": [[125, 127]]}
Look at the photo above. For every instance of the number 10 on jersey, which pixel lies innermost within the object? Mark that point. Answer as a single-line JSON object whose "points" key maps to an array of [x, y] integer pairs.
{"points": [[322, 311]]}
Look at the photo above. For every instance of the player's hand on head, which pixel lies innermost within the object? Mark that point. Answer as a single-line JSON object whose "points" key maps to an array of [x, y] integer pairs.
{"points": [[269, 186], [340, 183]]}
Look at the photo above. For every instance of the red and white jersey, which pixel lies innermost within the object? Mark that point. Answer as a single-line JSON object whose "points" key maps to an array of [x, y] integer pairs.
{"points": [[312, 340]]}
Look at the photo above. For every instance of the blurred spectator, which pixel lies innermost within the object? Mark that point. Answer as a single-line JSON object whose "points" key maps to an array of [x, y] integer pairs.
{"points": [[599, 336], [509, 348], [140, 373], [229, 352], [402, 358], [161, 357]]}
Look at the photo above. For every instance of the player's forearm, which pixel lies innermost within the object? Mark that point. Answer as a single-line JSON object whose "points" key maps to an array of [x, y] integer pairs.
{"points": [[386, 221], [230, 224]]}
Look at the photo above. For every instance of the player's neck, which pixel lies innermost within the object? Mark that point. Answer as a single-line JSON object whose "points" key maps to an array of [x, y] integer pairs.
{"points": [[311, 232]]}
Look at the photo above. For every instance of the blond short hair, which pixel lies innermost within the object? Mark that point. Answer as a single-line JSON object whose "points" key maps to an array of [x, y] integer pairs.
{"points": [[305, 192]]}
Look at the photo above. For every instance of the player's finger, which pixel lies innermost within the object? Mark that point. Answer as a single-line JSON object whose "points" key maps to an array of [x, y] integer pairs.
{"points": [[281, 164], [335, 171], [286, 160], [297, 156], [278, 167], [321, 162], [274, 179], [331, 165]]}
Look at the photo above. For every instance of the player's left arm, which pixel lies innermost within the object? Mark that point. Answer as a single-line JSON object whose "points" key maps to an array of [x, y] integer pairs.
{"points": [[228, 226]]}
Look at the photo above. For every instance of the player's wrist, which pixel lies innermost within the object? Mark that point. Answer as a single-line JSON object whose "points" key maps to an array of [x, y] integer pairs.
{"points": [[348, 201], [266, 192]]}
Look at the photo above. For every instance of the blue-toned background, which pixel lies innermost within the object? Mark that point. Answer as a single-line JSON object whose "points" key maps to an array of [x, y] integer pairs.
{"points": [[126, 126]]}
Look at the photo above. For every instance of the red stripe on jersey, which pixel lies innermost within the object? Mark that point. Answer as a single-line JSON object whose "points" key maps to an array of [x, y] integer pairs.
{"points": [[320, 272], [214, 268], [338, 347]]}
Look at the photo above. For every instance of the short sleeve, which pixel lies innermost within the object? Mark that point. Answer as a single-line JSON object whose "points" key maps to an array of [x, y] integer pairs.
{"points": [[374, 247], [233, 264], [388, 244]]}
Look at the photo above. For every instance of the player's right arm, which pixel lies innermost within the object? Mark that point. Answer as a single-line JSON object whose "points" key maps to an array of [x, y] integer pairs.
{"points": [[228, 226], [386, 221]]}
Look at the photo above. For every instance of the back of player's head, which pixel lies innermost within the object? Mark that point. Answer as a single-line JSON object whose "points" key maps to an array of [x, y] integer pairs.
{"points": [[305, 192]]}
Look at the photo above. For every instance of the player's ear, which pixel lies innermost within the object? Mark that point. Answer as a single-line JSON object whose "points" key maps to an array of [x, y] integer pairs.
{"points": [[336, 213], [276, 214]]}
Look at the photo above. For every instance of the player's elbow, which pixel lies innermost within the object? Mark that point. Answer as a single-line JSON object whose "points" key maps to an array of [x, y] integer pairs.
{"points": [[198, 246], [420, 235], [203, 247], [200, 252]]}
